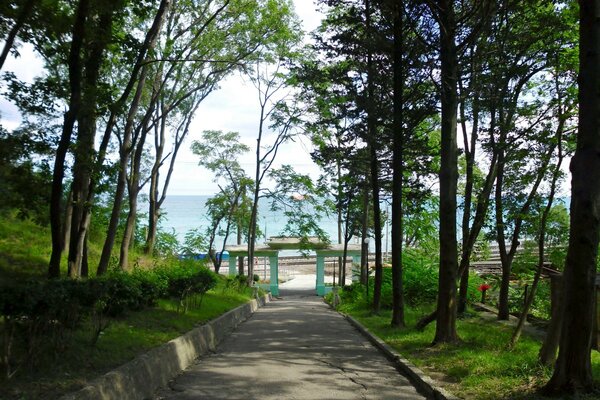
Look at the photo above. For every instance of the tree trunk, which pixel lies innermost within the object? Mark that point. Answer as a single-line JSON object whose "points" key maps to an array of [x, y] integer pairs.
{"points": [[239, 241], [374, 164], [84, 261], [503, 311], [67, 222], [547, 354], [86, 134], [364, 245], [573, 370], [157, 197], [134, 190], [125, 150], [341, 260], [446, 305], [75, 75], [398, 173], [25, 12]]}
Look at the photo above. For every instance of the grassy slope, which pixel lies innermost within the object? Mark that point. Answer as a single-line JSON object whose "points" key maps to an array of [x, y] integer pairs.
{"points": [[24, 254], [480, 367], [24, 248]]}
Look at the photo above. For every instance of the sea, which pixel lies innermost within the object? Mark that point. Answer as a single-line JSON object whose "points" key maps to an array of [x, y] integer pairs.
{"points": [[184, 213]]}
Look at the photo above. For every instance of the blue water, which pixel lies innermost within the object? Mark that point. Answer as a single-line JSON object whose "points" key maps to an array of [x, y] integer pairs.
{"points": [[184, 213]]}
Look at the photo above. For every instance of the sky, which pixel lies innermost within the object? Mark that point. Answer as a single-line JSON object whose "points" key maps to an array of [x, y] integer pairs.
{"points": [[233, 107]]}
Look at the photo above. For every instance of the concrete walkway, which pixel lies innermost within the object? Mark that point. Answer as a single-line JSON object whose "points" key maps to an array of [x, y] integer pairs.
{"points": [[294, 348], [305, 282]]}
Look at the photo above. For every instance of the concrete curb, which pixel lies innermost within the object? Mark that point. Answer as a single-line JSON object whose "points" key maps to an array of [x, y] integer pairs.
{"points": [[141, 377], [424, 384]]}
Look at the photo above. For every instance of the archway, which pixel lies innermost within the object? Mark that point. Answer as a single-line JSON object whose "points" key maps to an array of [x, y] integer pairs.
{"points": [[275, 244]]}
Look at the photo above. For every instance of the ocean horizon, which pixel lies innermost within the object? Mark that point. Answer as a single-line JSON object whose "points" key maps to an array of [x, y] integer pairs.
{"points": [[183, 213]]}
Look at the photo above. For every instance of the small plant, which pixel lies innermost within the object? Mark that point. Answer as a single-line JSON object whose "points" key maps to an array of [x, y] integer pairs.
{"points": [[483, 288]]}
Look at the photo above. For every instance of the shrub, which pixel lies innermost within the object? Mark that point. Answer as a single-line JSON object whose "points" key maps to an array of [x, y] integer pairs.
{"points": [[39, 314], [420, 283], [187, 281]]}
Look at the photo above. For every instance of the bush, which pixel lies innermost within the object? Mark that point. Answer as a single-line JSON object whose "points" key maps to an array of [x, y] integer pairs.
{"points": [[38, 314], [187, 281], [420, 283]]}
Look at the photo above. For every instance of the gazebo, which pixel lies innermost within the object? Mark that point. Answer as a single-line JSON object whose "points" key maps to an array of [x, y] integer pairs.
{"points": [[275, 244]]}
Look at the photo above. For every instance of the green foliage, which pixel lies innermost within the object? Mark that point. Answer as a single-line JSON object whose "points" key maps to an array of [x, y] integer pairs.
{"points": [[420, 284], [24, 248], [167, 243], [25, 178], [194, 242], [237, 282], [302, 202], [62, 369], [34, 311], [188, 281]]}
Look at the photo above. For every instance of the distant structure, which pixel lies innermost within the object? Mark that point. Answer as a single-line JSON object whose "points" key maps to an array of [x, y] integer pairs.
{"points": [[275, 244]]}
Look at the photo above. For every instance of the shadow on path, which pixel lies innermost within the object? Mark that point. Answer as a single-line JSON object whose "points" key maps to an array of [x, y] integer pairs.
{"points": [[294, 348]]}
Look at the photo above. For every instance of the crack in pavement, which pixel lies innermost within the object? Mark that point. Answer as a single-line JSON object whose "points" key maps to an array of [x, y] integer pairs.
{"points": [[345, 374]]}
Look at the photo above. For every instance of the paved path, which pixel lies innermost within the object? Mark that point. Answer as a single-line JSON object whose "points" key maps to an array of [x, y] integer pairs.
{"points": [[294, 348]]}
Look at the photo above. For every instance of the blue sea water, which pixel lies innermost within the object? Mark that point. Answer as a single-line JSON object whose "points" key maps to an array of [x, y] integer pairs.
{"points": [[184, 213]]}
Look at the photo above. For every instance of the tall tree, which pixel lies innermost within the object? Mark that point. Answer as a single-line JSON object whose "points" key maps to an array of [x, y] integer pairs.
{"points": [[271, 86], [573, 370], [446, 304], [219, 153], [137, 80], [372, 143], [398, 169], [70, 117]]}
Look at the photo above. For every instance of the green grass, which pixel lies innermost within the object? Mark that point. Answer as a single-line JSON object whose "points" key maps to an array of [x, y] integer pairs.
{"points": [[24, 248], [122, 341], [480, 366], [24, 254]]}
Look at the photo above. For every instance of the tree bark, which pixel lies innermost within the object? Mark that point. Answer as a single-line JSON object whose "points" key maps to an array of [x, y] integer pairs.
{"points": [[573, 370], [67, 222], [398, 172], [75, 76], [446, 305], [374, 163], [134, 188], [86, 135], [470, 149], [125, 150], [364, 245], [547, 354]]}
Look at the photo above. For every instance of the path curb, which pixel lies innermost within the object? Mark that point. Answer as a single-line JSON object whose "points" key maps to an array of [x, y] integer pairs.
{"points": [[141, 377], [424, 384]]}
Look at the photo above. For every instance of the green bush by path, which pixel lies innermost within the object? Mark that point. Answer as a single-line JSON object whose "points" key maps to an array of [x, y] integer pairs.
{"points": [[61, 369], [39, 316], [420, 284]]}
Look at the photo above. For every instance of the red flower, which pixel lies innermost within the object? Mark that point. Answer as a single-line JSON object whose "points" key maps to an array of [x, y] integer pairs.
{"points": [[483, 287]]}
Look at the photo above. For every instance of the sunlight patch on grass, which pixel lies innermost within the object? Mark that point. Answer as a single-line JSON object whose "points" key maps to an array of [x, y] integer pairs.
{"points": [[479, 367]]}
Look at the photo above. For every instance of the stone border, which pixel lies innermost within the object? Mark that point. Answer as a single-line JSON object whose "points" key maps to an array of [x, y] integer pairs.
{"points": [[141, 377], [424, 384]]}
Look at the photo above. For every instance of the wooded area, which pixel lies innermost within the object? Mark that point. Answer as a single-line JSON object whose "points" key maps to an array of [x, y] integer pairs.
{"points": [[462, 115]]}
